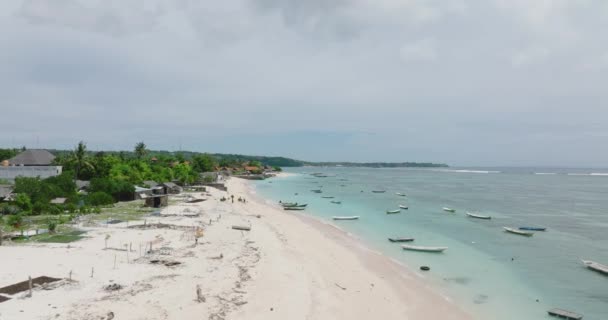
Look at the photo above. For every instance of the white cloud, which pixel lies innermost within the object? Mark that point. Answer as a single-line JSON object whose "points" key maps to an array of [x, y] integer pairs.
{"points": [[529, 56], [423, 50]]}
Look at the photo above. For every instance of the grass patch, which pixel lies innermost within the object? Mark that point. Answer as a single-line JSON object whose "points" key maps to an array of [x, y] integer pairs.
{"points": [[66, 236]]}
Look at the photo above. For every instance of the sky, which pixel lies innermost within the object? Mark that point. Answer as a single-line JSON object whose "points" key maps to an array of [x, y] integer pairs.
{"points": [[468, 83]]}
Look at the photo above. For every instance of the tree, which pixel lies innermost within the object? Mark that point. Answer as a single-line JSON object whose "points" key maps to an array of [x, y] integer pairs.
{"points": [[100, 198], [24, 202], [140, 150], [203, 163], [80, 159]]}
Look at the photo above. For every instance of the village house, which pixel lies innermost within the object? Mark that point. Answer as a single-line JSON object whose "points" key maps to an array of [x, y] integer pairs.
{"points": [[30, 163]]}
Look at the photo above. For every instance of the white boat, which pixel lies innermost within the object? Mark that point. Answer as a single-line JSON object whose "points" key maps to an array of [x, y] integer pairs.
{"points": [[424, 249], [336, 202], [596, 266], [478, 216], [400, 194], [404, 207], [446, 209], [393, 211], [345, 217], [519, 232]]}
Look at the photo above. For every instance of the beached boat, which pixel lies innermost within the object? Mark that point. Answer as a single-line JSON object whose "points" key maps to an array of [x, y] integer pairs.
{"points": [[287, 204], [393, 211], [294, 208], [336, 202], [519, 232], [596, 266], [423, 249], [478, 216], [400, 239], [446, 209], [400, 194], [404, 207], [533, 228], [301, 205], [378, 191], [345, 217], [327, 197]]}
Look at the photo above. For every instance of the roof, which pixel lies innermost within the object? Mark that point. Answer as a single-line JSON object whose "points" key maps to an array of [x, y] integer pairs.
{"points": [[5, 190], [82, 184], [58, 201], [250, 168], [33, 157], [169, 184]]}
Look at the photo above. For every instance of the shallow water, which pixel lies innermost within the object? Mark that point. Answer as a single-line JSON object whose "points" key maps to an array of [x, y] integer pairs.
{"points": [[493, 274]]}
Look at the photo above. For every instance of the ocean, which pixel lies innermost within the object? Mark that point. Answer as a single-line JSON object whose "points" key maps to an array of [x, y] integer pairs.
{"points": [[490, 273]]}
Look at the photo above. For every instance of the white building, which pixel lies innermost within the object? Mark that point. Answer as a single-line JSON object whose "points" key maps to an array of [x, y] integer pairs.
{"points": [[30, 163]]}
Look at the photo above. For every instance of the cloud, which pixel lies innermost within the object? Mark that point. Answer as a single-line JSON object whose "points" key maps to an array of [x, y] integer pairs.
{"points": [[529, 56], [423, 50]]}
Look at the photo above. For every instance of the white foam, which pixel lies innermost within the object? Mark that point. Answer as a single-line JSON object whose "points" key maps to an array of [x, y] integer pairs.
{"points": [[467, 171], [594, 174], [545, 173]]}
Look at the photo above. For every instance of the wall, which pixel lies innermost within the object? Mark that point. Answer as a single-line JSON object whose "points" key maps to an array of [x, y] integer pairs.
{"points": [[10, 173]]}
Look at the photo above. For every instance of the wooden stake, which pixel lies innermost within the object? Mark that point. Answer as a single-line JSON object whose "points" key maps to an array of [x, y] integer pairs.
{"points": [[30, 286], [70, 275], [114, 261], [92, 271]]}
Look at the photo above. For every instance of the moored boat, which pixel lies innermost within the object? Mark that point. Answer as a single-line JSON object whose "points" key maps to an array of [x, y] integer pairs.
{"points": [[446, 209], [478, 216], [336, 202], [400, 194], [317, 191], [378, 191], [400, 239], [596, 266], [404, 207], [519, 232], [327, 197], [294, 208], [393, 211], [423, 248], [533, 228], [345, 217]]}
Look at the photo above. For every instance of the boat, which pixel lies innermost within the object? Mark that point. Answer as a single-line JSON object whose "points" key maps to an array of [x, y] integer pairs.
{"points": [[596, 266], [446, 209], [289, 204], [533, 228], [336, 202], [316, 191], [294, 208], [400, 239], [327, 197], [404, 207], [423, 249], [400, 194], [345, 217], [564, 314], [393, 211], [301, 205], [378, 191], [478, 216], [519, 232]]}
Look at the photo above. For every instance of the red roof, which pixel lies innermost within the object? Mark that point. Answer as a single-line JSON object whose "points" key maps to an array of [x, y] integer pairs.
{"points": [[249, 168]]}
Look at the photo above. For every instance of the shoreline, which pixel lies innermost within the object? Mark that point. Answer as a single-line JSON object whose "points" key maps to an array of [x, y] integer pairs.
{"points": [[286, 267]]}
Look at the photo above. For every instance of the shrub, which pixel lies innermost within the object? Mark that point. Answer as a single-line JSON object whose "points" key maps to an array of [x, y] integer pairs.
{"points": [[52, 225], [15, 220], [100, 198], [6, 209], [55, 210], [23, 201], [71, 208], [39, 207]]}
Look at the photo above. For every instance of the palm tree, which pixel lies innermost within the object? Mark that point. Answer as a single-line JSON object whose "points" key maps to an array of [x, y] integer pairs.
{"points": [[140, 150], [79, 158]]}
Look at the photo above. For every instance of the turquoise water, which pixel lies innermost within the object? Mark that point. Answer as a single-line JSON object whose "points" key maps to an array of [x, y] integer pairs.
{"points": [[492, 274]]}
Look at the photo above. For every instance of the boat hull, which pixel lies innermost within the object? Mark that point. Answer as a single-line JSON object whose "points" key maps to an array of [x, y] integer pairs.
{"points": [[424, 249], [478, 216], [400, 239], [519, 232], [346, 218]]}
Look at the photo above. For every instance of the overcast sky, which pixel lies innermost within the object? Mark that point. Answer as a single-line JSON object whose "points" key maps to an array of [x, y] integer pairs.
{"points": [[479, 82]]}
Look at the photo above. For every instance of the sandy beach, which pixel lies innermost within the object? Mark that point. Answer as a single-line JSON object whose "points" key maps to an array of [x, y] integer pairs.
{"points": [[288, 266]]}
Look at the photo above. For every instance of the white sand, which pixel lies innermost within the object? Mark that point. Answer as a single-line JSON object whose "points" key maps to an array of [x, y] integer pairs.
{"points": [[287, 267]]}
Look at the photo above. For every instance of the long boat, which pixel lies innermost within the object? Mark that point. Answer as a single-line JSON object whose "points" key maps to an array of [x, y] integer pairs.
{"points": [[294, 208], [423, 249], [400, 194], [336, 202], [404, 207], [345, 217], [289, 204], [317, 191], [393, 211], [519, 232], [327, 197], [378, 191], [400, 239], [478, 216], [533, 228], [446, 209], [596, 266], [564, 314]]}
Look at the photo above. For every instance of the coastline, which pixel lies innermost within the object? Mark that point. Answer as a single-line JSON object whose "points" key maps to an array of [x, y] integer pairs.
{"points": [[287, 267]]}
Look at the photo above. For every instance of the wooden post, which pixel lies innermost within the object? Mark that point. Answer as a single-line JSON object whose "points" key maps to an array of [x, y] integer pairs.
{"points": [[70, 275], [92, 271], [127, 249], [114, 261], [30, 285]]}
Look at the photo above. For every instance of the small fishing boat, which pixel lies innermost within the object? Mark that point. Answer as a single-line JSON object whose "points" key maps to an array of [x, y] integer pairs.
{"points": [[336, 202], [345, 217], [317, 191], [404, 207], [289, 204], [301, 205], [423, 249], [478, 216], [378, 191], [294, 208], [327, 197], [400, 239], [519, 232], [400, 194], [564, 314], [596, 266], [393, 211], [533, 228], [446, 209]]}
